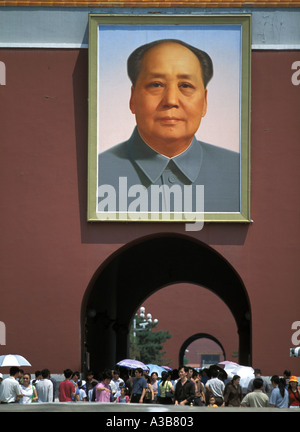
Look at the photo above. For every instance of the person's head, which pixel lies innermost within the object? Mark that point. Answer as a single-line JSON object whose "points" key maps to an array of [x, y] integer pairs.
{"points": [[138, 372], [134, 62], [287, 373], [106, 376], [68, 373], [175, 374], [196, 375], [154, 376], [275, 380], [258, 383], [14, 371], [214, 373], [124, 391], [169, 376], [166, 376], [182, 372], [293, 382], [257, 372], [75, 376], [90, 375], [278, 382], [212, 400], [236, 379], [190, 372], [38, 374], [45, 373], [26, 379], [168, 93], [116, 374]]}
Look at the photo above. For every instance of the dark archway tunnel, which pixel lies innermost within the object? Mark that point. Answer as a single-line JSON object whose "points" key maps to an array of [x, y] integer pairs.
{"points": [[139, 269]]}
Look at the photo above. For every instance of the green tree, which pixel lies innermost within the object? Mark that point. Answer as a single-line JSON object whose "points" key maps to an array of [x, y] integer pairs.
{"points": [[147, 345]]}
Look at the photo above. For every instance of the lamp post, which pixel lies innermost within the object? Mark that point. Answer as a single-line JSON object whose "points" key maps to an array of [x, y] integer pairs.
{"points": [[144, 323], [142, 326]]}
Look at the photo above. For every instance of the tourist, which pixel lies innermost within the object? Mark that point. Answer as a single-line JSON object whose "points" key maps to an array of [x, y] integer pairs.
{"points": [[154, 383], [185, 389], [215, 387], [233, 394], [166, 390], [199, 390], [139, 385], [28, 390], [257, 398], [103, 390], [10, 390], [44, 387], [279, 397], [257, 374], [293, 391], [124, 397], [66, 390]]}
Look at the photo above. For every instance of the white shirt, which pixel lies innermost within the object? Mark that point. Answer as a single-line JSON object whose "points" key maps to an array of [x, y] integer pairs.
{"points": [[118, 382], [113, 387], [117, 391], [44, 389], [27, 393], [9, 390], [216, 386]]}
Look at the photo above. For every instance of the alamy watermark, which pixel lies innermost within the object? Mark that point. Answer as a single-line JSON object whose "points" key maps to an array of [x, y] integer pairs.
{"points": [[158, 202], [2, 73], [2, 333], [296, 75], [296, 335]]}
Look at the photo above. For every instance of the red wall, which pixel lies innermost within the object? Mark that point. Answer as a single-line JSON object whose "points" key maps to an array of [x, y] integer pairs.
{"points": [[49, 253], [186, 310]]}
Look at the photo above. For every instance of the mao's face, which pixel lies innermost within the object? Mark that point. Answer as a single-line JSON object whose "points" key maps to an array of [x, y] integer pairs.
{"points": [[169, 98]]}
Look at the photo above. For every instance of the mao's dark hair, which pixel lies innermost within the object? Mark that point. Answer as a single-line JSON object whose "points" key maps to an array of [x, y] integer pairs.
{"points": [[134, 62]]}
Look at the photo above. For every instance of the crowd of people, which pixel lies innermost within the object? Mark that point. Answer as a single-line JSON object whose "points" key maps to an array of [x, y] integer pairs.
{"points": [[210, 387]]}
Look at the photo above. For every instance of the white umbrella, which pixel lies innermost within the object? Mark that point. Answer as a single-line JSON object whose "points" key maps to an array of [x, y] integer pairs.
{"points": [[244, 371], [228, 365], [13, 360]]}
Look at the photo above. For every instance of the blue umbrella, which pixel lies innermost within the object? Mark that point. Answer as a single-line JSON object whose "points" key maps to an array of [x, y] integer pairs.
{"points": [[155, 368], [132, 364]]}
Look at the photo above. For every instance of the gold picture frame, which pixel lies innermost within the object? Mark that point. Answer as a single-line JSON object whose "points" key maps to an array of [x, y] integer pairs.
{"points": [[112, 38]]}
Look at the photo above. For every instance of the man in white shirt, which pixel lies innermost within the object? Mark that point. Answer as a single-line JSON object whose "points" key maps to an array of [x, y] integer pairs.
{"points": [[216, 387], [118, 382], [44, 387], [10, 390]]}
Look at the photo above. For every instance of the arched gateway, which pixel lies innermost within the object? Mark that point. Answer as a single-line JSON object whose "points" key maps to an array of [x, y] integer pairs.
{"points": [[136, 271], [193, 338]]}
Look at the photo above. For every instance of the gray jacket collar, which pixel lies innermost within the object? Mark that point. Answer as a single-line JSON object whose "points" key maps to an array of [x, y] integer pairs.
{"points": [[153, 164]]}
